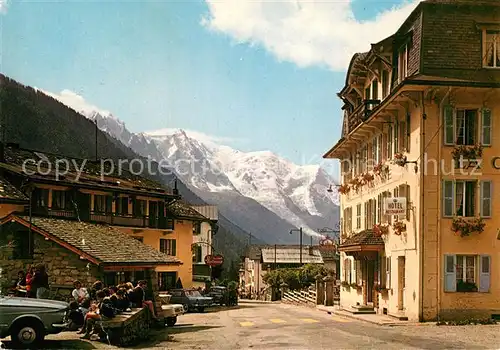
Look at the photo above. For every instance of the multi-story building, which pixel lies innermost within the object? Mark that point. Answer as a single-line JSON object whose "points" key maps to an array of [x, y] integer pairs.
{"points": [[109, 218], [202, 244], [419, 125]]}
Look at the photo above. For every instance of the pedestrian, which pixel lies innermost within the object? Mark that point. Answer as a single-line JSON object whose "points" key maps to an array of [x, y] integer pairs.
{"points": [[40, 282]]}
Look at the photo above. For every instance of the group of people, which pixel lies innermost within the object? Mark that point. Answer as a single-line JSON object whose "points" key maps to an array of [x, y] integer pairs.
{"points": [[101, 303], [32, 284]]}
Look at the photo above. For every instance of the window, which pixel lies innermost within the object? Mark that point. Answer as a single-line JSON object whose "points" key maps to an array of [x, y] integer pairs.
{"points": [[197, 253], [403, 63], [348, 220], [166, 281], [40, 197], [139, 207], [388, 272], [376, 156], [491, 51], [347, 270], [385, 83], [367, 93], [61, 200], [168, 246], [462, 127], [358, 216], [103, 204], [196, 228], [140, 239], [375, 89], [459, 198], [122, 205], [389, 143], [396, 136], [379, 209], [467, 273]]}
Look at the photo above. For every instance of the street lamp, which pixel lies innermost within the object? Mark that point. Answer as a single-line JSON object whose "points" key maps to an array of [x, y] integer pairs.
{"points": [[300, 231]]}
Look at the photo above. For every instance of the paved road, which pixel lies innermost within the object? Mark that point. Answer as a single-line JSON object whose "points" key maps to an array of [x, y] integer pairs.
{"points": [[258, 325]]}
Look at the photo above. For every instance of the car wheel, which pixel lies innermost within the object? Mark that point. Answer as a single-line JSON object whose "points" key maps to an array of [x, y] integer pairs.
{"points": [[27, 334], [171, 321], [186, 308]]}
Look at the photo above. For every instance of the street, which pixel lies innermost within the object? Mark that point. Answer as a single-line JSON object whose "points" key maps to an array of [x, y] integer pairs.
{"points": [[260, 325]]}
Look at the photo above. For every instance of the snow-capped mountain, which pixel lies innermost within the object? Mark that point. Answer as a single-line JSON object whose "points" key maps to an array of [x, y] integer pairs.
{"points": [[297, 194], [238, 182]]}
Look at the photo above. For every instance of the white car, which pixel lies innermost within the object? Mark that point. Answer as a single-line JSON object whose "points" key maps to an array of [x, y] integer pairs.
{"points": [[170, 311]]}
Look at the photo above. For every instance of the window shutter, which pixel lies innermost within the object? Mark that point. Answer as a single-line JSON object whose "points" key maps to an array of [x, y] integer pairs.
{"points": [[408, 203], [408, 130], [174, 247], [449, 127], [448, 198], [359, 273], [388, 272], [450, 274], [344, 272], [354, 271], [484, 273], [486, 127], [382, 272], [486, 199], [348, 270]]}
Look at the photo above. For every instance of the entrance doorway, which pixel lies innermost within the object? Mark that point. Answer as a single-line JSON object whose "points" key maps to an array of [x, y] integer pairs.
{"points": [[370, 274], [401, 282]]}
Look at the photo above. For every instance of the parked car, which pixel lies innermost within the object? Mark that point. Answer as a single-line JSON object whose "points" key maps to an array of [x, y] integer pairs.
{"points": [[170, 311], [28, 320], [190, 299], [219, 294]]}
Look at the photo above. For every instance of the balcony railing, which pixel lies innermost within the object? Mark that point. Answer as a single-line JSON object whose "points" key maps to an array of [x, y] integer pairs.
{"points": [[361, 113], [108, 218]]}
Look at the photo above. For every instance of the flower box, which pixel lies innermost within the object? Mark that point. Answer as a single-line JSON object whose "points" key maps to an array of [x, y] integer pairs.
{"points": [[466, 287], [381, 170], [355, 285], [464, 227], [368, 178], [399, 159], [399, 227], [467, 152], [344, 189], [356, 184], [380, 229]]}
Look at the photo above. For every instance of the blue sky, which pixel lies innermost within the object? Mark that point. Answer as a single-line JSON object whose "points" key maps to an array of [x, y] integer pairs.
{"points": [[240, 73]]}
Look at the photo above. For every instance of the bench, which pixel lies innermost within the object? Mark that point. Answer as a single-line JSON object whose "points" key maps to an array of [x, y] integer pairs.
{"points": [[128, 327]]}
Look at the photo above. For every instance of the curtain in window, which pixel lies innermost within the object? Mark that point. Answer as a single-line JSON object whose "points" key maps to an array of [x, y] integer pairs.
{"points": [[470, 268], [459, 198], [460, 128], [460, 268], [490, 46]]}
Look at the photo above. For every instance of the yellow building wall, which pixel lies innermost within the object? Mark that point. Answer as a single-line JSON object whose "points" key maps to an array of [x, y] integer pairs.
{"points": [[6, 209], [463, 304], [183, 234]]}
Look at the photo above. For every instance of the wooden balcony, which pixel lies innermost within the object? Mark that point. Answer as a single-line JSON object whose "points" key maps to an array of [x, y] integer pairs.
{"points": [[361, 113]]}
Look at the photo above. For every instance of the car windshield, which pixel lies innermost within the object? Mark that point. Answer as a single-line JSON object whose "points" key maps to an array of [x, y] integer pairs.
{"points": [[193, 293]]}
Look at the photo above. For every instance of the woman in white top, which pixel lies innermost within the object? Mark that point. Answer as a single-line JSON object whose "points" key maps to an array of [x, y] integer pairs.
{"points": [[80, 294]]}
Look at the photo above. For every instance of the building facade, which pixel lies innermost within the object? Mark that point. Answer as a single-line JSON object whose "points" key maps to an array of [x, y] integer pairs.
{"points": [[419, 119], [121, 213], [202, 245]]}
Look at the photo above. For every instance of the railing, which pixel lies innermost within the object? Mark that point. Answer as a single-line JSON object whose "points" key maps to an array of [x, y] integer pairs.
{"points": [[307, 296], [361, 113], [108, 218]]}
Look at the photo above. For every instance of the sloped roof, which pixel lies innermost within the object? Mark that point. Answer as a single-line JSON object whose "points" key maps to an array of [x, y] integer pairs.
{"points": [[366, 237], [183, 210], [100, 243], [21, 161], [291, 255], [9, 193]]}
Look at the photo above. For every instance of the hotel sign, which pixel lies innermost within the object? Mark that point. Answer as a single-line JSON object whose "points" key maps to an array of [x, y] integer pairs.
{"points": [[395, 206]]}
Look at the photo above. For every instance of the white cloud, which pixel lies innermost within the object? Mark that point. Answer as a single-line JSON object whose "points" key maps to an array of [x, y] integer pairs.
{"points": [[3, 6], [306, 32], [75, 101]]}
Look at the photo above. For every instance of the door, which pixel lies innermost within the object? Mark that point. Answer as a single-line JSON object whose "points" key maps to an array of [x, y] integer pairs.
{"points": [[83, 206], [401, 282], [370, 271], [153, 214]]}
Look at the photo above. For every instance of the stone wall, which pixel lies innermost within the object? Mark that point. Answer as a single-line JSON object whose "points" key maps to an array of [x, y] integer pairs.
{"points": [[63, 266]]}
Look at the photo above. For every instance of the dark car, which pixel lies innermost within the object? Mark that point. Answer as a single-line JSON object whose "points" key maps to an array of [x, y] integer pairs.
{"points": [[219, 294], [190, 299]]}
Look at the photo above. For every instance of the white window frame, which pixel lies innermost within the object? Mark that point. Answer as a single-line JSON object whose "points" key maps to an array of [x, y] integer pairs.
{"points": [[495, 49], [358, 216], [464, 267]]}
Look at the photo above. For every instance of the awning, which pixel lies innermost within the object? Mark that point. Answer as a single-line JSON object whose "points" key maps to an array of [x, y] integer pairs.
{"points": [[364, 244]]}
